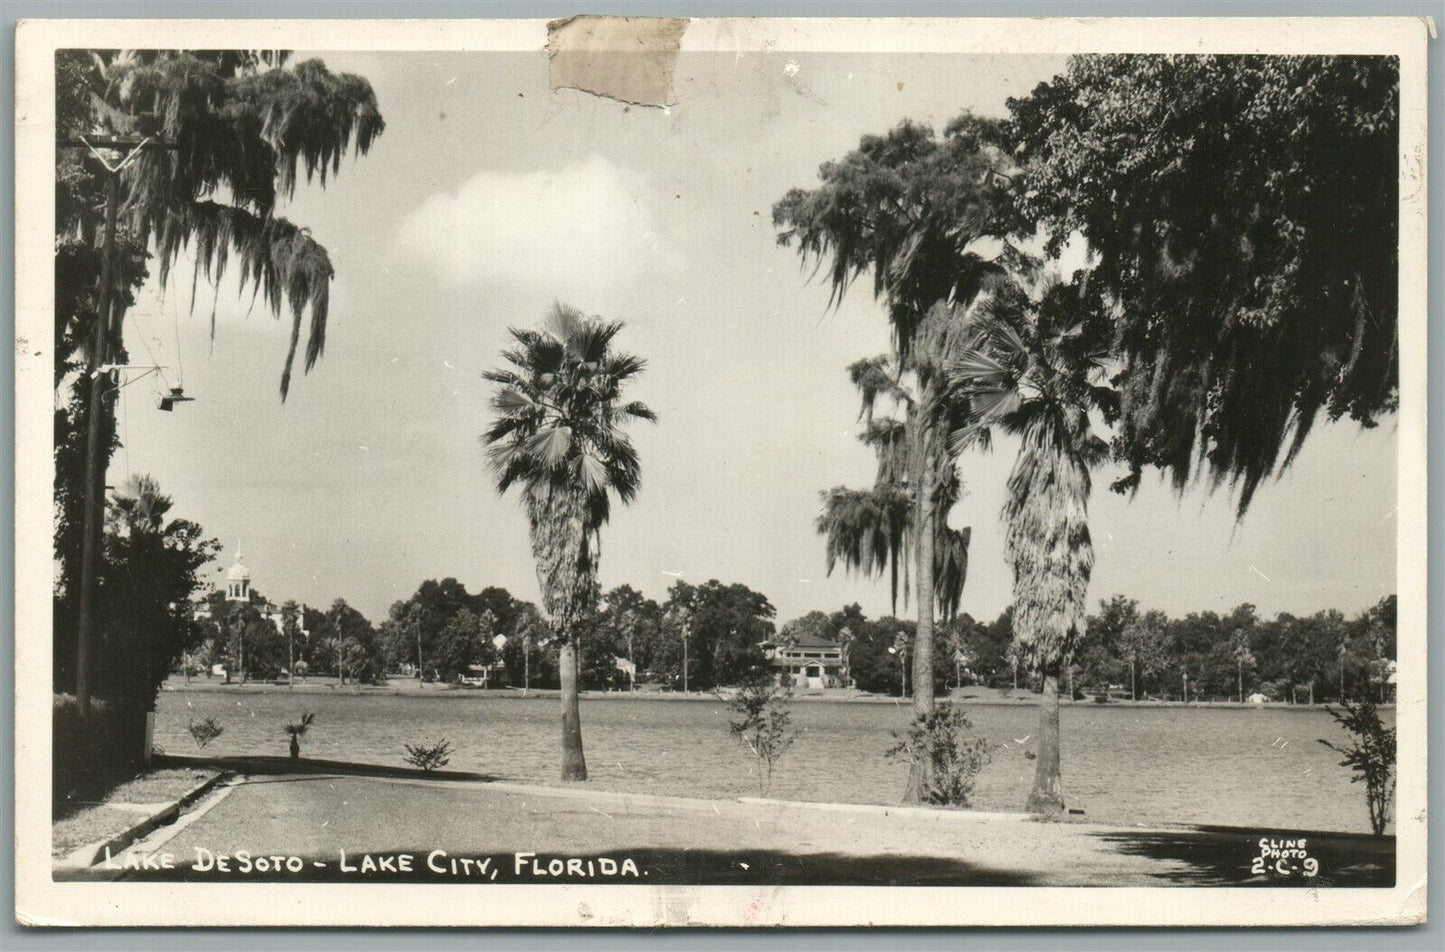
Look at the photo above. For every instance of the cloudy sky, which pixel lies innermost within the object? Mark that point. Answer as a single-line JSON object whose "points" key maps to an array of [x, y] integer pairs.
{"points": [[489, 197]]}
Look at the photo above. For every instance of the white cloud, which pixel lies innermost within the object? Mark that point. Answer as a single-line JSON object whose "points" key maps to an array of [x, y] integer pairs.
{"points": [[585, 229]]}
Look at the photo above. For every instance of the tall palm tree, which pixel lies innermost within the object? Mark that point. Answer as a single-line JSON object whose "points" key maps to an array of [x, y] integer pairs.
{"points": [[876, 530], [870, 531], [1033, 371], [559, 435], [913, 211], [291, 626]]}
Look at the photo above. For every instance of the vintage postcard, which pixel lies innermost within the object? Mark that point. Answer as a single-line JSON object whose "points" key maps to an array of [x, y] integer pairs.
{"points": [[665, 472]]}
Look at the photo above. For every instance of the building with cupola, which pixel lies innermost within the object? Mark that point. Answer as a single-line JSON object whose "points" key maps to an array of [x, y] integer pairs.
{"points": [[238, 581], [238, 589]]}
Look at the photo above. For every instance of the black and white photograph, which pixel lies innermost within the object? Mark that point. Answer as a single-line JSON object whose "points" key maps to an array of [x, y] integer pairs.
{"points": [[658, 472]]}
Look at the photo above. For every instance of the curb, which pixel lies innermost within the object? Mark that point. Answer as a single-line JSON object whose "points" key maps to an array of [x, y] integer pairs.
{"points": [[875, 809], [627, 800], [92, 853]]}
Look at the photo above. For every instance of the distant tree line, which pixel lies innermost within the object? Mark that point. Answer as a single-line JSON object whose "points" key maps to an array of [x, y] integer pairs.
{"points": [[239, 637], [1130, 652], [447, 632], [1127, 651]]}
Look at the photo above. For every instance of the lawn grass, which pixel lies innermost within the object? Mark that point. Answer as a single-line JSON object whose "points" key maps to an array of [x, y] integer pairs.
{"points": [[158, 786], [99, 821]]}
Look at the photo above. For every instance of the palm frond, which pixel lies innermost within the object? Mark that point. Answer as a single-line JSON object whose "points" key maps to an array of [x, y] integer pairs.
{"points": [[558, 435], [638, 411], [550, 445], [866, 530], [950, 570]]}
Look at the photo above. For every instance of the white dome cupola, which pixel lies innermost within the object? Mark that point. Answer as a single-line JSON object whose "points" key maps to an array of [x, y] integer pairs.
{"points": [[238, 580]]}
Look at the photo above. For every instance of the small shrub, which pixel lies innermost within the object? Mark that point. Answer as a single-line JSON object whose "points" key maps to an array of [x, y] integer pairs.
{"points": [[760, 724], [297, 730], [1371, 756], [429, 756], [943, 742], [203, 732]]}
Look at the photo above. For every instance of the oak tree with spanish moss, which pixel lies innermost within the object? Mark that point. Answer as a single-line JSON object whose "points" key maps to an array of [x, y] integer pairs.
{"points": [[1242, 219]]}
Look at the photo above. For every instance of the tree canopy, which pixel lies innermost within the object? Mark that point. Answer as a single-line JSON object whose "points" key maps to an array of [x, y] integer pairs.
{"points": [[1241, 215], [908, 208], [243, 129]]}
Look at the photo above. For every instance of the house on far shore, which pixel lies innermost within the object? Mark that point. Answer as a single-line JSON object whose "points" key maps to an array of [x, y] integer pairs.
{"points": [[806, 661]]}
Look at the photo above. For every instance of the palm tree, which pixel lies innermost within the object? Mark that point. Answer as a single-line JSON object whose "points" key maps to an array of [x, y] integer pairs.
{"points": [[139, 506], [297, 729], [909, 209], [291, 625], [249, 125], [1033, 373], [342, 653], [872, 531], [559, 435]]}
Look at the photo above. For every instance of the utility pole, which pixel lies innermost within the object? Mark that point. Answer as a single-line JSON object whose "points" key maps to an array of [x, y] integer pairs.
{"points": [[686, 626], [105, 331], [900, 647], [94, 470], [526, 662], [1344, 653]]}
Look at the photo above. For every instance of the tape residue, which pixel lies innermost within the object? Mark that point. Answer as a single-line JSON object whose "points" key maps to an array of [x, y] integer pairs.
{"points": [[630, 59]]}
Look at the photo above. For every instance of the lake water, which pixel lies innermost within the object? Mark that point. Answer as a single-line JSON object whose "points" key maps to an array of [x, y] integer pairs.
{"points": [[1249, 767]]}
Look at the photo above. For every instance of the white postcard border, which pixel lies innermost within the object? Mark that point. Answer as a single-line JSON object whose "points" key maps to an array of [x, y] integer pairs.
{"points": [[41, 901]]}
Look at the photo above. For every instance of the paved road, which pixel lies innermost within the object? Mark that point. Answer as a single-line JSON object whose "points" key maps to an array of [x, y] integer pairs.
{"points": [[456, 831]]}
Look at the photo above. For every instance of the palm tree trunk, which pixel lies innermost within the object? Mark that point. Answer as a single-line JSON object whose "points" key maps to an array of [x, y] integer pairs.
{"points": [[923, 519], [574, 764], [1047, 796]]}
